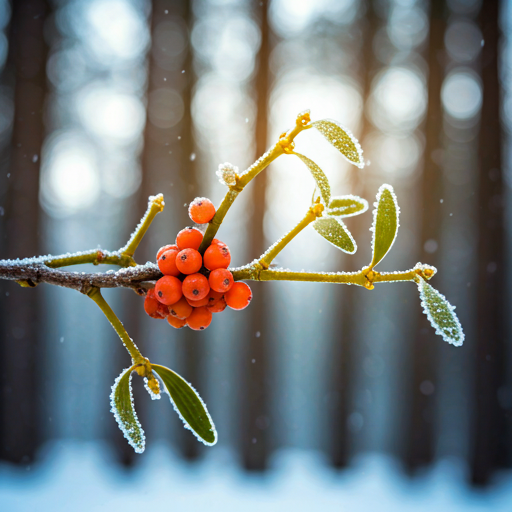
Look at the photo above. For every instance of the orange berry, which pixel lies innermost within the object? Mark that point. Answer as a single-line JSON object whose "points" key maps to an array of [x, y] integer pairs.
{"points": [[239, 296], [217, 256], [163, 249], [168, 290], [176, 322], [152, 307], [201, 210], [195, 287], [213, 297], [189, 261], [200, 319], [198, 303], [189, 238], [219, 306], [221, 280], [181, 309], [167, 263]]}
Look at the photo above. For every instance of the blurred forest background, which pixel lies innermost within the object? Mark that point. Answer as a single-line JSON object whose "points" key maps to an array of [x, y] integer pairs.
{"points": [[105, 102]]}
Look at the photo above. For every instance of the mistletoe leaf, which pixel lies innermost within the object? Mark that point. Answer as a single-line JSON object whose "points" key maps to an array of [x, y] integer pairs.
{"points": [[385, 223], [188, 404], [319, 176], [121, 402], [342, 139], [335, 232], [440, 314], [347, 206]]}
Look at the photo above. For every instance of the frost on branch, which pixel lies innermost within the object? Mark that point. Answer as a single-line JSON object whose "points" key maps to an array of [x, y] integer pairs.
{"points": [[440, 314], [385, 223], [227, 174], [342, 139], [347, 206], [335, 232], [188, 404], [121, 402], [319, 176]]}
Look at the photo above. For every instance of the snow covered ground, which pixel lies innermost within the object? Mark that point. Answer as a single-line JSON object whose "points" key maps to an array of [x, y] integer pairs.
{"points": [[78, 477]]}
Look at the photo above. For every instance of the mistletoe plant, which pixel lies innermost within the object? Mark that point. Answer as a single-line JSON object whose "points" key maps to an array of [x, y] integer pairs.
{"points": [[191, 279]]}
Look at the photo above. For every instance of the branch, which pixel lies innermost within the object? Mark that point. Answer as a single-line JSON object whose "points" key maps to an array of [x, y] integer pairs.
{"points": [[31, 272]]}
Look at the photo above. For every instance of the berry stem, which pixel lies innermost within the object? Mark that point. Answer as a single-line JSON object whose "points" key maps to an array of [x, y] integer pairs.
{"points": [[267, 258], [156, 204], [96, 257], [284, 145], [96, 296]]}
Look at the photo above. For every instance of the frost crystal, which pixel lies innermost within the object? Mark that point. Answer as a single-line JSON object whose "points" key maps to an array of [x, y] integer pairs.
{"points": [[154, 396], [121, 402], [440, 314], [335, 232], [227, 174], [342, 139]]}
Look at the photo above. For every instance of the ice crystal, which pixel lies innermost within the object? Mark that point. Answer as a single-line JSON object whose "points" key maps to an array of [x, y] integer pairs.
{"points": [[385, 223], [227, 174], [154, 396], [440, 314], [342, 139], [121, 402]]}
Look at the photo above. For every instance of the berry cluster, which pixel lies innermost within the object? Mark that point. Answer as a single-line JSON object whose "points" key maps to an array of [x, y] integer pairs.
{"points": [[194, 286]]}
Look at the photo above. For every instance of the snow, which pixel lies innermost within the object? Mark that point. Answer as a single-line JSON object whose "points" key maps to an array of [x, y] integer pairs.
{"points": [[83, 477]]}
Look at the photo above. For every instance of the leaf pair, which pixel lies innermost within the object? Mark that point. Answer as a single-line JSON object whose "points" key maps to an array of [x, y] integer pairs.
{"points": [[184, 398]]}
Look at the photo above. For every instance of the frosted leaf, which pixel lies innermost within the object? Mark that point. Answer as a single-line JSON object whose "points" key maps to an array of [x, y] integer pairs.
{"points": [[347, 206], [188, 404], [385, 223], [319, 176], [227, 174], [440, 314], [121, 402], [342, 139], [335, 232], [154, 396]]}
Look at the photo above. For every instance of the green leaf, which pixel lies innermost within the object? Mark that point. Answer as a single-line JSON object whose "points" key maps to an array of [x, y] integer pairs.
{"points": [[342, 139], [335, 232], [385, 223], [440, 314], [319, 176], [121, 402], [347, 206], [188, 404]]}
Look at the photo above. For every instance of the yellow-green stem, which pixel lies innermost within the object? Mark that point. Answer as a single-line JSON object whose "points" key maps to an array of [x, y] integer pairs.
{"points": [[359, 278], [155, 206], [269, 256], [95, 257], [96, 296], [262, 163]]}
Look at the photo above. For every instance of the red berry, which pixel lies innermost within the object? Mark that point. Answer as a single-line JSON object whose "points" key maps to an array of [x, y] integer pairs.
{"points": [[201, 210], [195, 287], [221, 280], [198, 303], [168, 290], [219, 305], [217, 256], [180, 309], [216, 241], [167, 262], [239, 296], [200, 319], [189, 238], [189, 261], [176, 322], [163, 249]]}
